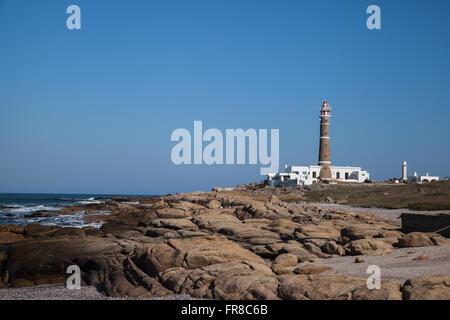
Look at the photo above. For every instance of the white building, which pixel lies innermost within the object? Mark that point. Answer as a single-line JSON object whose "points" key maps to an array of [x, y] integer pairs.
{"points": [[307, 175], [415, 179]]}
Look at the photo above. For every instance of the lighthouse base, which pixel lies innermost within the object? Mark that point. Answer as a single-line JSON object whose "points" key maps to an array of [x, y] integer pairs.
{"points": [[325, 173]]}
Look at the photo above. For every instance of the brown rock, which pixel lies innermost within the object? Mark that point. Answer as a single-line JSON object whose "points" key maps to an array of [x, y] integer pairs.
{"points": [[12, 229], [171, 213], [391, 241], [315, 250], [192, 253], [9, 237], [292, 247], [367, 246], [160, 232], [389, 234], [74, 232], [414, 239], [427, 287], [214, 204], [356, 232], [38, 231], [311, 269], [46, 260], [332, 247], [215, 221], [390, 290], [282, 226], [236, 280], [280, 270], [359, 260], [263, 252], [421, 257], [323, 231], [332, 287], [176, 224], [274, 199], [439, 240], [286, 260]]}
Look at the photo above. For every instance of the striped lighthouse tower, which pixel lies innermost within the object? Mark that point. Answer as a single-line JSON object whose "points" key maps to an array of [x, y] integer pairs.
{"points": [[324, 147]]}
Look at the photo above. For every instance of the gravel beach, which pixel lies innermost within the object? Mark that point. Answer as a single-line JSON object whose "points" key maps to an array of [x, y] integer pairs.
{"points": [[60, 292]]}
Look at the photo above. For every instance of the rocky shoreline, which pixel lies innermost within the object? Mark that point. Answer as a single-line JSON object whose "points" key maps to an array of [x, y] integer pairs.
{"points": [[244, 243]]}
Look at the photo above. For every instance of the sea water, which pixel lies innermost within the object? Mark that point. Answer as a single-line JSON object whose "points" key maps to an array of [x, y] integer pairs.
{"points": [[14, 208]]}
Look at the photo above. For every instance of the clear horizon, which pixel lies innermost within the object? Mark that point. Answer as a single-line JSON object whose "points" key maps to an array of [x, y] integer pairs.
{"points": [[91, 111]]}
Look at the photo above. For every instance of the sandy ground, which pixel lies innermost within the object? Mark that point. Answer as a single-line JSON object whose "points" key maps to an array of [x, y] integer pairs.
{"points": [[398, 266], [60, 292]]}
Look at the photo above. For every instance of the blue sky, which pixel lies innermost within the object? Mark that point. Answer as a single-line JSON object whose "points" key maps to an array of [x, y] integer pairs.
{"points": [[92, 110]]}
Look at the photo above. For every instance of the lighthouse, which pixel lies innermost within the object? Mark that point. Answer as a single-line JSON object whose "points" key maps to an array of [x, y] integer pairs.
{"points": [[404, 171], [324, 146]]}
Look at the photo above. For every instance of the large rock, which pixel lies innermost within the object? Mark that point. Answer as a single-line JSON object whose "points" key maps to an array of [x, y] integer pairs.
{"points": [[39, 231], [161, 232], [356, 232], [439, 240], [171, 213], [315, 250], [286, 260], [414, 239], [216, 221], [46, 260], [311, 269], [231, 226], [176, 224], [427, 287], [292, 247], [237, 280], [332, 247], [332, 287], [280, 269], [283, 226], [368, 246], [192, 253], [390, 290], [214, 204], [9, 234], [72, 232], [12, 229], [322, 231]]}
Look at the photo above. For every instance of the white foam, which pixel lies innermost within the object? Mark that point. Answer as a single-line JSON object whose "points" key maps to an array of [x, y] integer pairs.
{"points": [[25, 209], [90, 201]]}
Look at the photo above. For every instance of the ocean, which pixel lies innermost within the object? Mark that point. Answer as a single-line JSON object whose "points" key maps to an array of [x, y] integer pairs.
{"points": [[14, 208]]}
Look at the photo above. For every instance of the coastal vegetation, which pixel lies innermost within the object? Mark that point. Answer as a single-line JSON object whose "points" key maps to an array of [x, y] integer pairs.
{"points": [[430, 196]]}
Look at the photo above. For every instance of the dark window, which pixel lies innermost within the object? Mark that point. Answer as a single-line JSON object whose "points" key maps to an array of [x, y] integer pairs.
{"points": [[314, 174], [338, 175], [346, 176]]}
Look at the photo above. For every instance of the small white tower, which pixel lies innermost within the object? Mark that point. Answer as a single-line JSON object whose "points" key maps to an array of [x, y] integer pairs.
{"points": [[404, 171]]}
